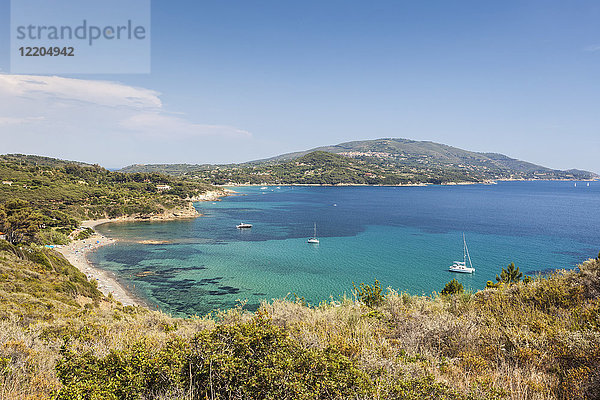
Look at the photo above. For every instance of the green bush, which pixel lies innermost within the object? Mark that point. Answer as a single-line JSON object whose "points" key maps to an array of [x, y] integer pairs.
{"points": [[37, 257], [370, 295], [84, 234], [452, 287], [258, 360], [253, 360], [139, 371], [508, 276], [52, 236], [423, 388], [57, 194]]}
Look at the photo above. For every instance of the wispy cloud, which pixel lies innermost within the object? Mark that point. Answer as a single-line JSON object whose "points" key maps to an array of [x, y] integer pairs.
{"points": [[162, 125], [102, 93], [79, 116], [592, 48], [19, 121]]}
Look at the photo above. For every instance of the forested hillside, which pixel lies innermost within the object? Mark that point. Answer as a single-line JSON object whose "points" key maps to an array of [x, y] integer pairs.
{"points": [[38, 193], [376, 162]]}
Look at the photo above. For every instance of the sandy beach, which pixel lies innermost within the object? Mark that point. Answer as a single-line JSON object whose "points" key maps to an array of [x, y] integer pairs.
{"points": [[77, 252]]}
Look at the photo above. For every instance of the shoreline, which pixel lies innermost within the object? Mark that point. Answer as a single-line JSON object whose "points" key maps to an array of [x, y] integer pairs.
{"points": [[461, 183], [77, 251], [77, 254]]}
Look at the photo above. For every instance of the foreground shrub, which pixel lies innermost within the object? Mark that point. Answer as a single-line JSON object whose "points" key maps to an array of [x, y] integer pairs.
{"points": [[532, 341], [508, 276], [139, 371], [370, 295], [452, 287], [253, 360]]}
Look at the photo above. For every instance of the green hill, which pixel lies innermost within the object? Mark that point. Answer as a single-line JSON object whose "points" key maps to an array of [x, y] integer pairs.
{"points": [[41, 161], [322, 168], [382, 161], [49, 195]]}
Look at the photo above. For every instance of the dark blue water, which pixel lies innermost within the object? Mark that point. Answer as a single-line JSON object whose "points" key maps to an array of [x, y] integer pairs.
{"points": [[406, 237]]}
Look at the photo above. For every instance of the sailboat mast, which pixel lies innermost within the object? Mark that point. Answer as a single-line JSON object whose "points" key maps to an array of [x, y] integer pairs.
{"points": [[467, 255], [464, 249], [315, 233]]}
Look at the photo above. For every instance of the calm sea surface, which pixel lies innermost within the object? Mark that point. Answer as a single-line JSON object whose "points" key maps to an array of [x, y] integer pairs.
{"points": [[406, 237]]}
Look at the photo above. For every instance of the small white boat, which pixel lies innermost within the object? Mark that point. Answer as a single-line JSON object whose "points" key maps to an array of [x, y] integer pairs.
{"points": [[461, 266], [314, 239], [263, 188], [244, 226]]}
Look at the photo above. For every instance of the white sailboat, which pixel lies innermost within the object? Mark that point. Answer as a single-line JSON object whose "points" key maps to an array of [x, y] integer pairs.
{"points": [[314, 239], [461, 266]]}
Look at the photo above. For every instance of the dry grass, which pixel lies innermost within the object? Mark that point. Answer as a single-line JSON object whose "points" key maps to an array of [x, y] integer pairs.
{"points": [[534, 342]]}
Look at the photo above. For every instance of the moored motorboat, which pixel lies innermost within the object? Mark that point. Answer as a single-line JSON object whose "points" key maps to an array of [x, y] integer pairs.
{"points": [[243, 225]]}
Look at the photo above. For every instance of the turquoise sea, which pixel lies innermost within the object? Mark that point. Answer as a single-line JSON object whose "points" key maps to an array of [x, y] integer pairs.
{"points": [[406, 237]]}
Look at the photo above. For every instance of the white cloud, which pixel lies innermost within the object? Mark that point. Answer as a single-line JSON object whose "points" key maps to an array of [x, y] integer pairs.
{"points": [[84, 119], [102, 93], [163, 125]]}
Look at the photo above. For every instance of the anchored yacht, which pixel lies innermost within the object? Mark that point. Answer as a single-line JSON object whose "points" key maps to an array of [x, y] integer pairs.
{"points": [[461, 266]]}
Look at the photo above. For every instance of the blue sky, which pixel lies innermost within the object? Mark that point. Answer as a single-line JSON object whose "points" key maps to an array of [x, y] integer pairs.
{"points": [[241, 80]]}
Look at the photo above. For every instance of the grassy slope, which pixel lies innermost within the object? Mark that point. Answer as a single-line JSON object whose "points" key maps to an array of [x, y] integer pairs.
{"points": [[38, 284], [534, 341]]}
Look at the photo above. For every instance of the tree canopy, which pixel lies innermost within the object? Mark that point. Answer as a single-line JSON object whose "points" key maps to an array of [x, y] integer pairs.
{"points": [[19, 221]]}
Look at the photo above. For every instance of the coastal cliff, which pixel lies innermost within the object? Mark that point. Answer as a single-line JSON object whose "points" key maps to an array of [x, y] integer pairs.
{"points": [[182, 212], [211, 195]]}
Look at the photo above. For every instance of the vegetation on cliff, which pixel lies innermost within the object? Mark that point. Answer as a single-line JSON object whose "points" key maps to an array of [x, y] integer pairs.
{"points": [[537, 340], [38, 284], [51, 196]]}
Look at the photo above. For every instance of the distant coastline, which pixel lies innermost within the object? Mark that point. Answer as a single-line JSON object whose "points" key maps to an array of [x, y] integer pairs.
{"points": [[385, 161], [486, 182]]}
